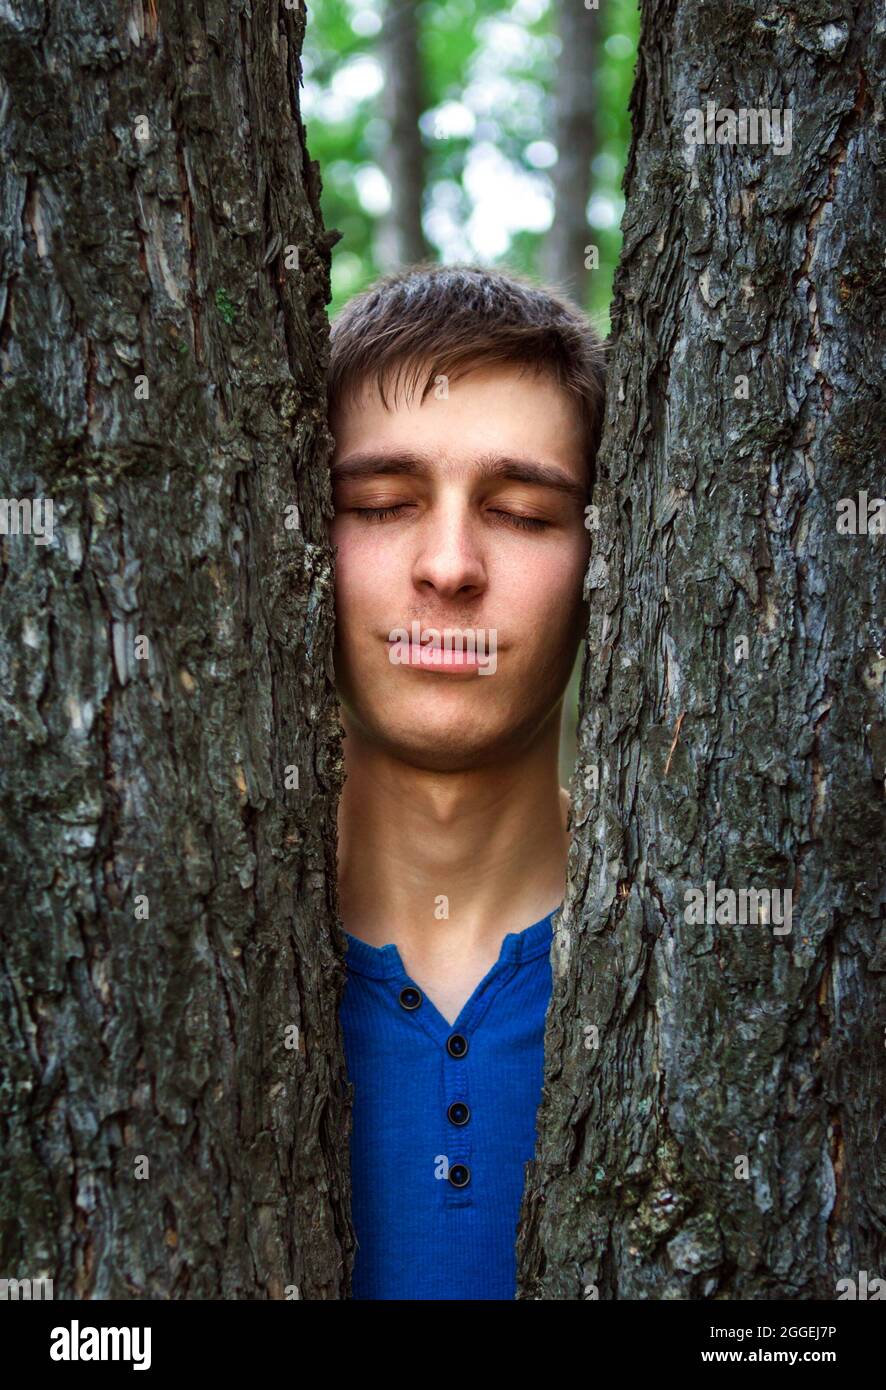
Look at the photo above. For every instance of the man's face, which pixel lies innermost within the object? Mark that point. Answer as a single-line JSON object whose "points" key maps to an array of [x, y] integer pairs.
{"points": [[434, 512]]}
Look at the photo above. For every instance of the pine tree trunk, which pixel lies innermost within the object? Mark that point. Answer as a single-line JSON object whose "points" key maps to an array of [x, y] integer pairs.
{"points": [[401, 239], [170, 1067], [712, 1124], [575, 135]]}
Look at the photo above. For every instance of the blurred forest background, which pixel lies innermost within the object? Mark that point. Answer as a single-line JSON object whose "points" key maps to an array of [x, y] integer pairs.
{"points": [[471, 130]]}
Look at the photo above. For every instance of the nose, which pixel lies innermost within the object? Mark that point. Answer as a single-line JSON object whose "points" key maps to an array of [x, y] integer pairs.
{"points": [[449, 560]]}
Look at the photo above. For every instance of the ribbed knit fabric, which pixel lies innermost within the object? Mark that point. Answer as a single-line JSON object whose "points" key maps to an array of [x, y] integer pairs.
{"points": [[420, 1236]]}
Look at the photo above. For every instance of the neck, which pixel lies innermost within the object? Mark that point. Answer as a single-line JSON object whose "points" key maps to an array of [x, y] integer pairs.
{"points": [[487, 846]]}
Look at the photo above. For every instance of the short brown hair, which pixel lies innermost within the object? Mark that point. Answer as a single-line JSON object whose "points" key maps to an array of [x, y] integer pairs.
{"points": [[459, 317]]}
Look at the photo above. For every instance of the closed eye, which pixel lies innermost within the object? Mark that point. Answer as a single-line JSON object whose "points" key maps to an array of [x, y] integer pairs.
{"points": [[379, 513], [523, 523]]}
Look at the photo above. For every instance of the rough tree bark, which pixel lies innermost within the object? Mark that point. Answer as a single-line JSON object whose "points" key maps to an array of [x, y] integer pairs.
{"points": [[733, 726], [575, 136], [170, 728]]}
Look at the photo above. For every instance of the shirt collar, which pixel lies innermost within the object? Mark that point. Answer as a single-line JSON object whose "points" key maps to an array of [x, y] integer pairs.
{"points": [[384, 963]]}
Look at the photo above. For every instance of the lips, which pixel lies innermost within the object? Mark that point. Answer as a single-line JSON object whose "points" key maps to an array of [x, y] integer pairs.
{"points": [[431, 655], [446, 651]]}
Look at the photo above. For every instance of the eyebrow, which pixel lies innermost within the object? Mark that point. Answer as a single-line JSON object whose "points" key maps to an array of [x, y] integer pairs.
{"points": [[404, 462]]}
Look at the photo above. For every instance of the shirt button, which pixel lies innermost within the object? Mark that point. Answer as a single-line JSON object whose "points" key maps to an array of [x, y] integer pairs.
{"points": [[410, 997], [458, 1113], [459, 1175], [456, 1045]]}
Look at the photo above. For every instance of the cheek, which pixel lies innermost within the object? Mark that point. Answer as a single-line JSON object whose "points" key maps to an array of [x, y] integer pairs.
{"points": [[360, 583], [549, 607], [547, 587]]}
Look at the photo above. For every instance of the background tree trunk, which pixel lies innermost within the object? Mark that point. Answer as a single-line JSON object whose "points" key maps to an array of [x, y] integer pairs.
{"points": [[718, 524], [575, 135], [401, 236], [165, 661]]}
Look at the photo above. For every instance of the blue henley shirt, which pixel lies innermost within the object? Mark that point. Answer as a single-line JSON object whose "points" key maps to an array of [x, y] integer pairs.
{"points": [[444, 1120]]}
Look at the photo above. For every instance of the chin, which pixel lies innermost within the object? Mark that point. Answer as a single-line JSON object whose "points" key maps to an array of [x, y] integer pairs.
{"points": [[443, 750], [452, 739]]}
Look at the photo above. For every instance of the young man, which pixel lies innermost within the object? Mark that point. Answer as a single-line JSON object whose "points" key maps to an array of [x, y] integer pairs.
{"points": [[466, 408]]}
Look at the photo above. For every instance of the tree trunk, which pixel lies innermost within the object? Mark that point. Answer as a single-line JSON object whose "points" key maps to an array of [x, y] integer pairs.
{"points": [[401, 237], [172, 1075], [575, 136], [714, 1092]]}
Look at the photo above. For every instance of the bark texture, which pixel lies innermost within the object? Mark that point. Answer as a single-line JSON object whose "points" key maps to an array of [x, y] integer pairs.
{"points": [[575, 136], [165, 660], [718, 536]]}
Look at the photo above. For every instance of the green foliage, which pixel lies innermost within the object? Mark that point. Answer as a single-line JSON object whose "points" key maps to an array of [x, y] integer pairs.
{"points": [[490, 70]]}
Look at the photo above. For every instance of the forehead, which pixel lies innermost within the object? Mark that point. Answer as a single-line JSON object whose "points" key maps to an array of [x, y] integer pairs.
{"points": [[504, 408]]}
